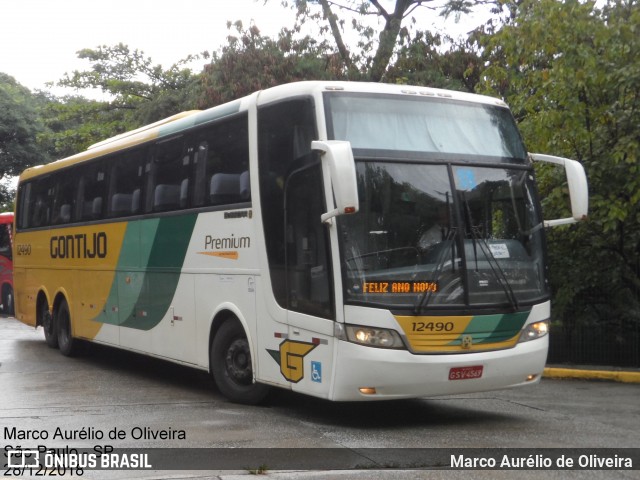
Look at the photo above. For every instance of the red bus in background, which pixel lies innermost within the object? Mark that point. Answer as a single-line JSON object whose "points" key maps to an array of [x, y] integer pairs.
{"points": [[6, 263]]}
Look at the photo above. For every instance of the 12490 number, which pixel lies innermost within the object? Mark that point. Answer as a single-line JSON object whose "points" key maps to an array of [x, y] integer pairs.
{"points": [[432, 327]]}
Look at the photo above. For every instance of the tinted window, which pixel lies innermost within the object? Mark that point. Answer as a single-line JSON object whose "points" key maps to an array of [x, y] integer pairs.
{"points": [[221, 163], [92, 190], [64, 191], [168, 176], [285, 132], [127, 184], [205, 168]]}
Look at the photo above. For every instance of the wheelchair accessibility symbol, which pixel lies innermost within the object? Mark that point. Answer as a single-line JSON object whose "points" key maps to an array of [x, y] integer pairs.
{"points": [[316, 372]]}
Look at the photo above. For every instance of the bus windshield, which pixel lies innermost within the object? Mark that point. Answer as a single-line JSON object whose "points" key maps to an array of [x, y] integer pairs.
{"points": [[434, 127], [448, 214], [443, 236]]}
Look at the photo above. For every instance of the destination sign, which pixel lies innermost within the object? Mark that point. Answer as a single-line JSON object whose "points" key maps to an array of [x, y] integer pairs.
{"points": [[392, 287]]}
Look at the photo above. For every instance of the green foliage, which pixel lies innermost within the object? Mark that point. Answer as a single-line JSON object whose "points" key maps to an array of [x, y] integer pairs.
{"points": [[19, 130], [19, 127], [381, 30], [251, 62], [420, 62], [74, 122], [7, 197], [136, 92], [571, 73], [133, 82]]}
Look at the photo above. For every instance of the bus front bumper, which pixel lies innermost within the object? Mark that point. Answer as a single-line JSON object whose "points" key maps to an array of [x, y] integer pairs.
{"points": [[367, 373]]}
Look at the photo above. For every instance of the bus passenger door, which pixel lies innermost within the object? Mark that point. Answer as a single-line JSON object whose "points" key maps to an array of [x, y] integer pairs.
{"points": [[308, 359]]}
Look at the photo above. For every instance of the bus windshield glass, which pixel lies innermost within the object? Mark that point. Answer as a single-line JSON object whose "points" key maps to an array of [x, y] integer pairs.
{"points": [[392, 124], [457, 228]]}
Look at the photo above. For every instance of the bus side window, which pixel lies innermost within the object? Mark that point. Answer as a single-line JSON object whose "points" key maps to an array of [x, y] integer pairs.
{"points": [[5, 240], [64, 198], [222, 163], [308, 266], [91, 192], [169, 176], [126, 184], [22, 211], [285, 131], [25, 205], [35, 206]]}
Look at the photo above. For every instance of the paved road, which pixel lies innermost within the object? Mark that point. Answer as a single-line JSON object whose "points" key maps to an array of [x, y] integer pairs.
{"points": [[112, 391]]}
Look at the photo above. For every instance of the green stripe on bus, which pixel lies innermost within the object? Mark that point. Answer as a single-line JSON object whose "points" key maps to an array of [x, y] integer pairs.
{"points": [[148, 272], [163, 271], [509, 326], [493, 328]]}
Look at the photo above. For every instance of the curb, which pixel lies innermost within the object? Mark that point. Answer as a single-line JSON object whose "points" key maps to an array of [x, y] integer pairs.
{"points": [[611, 375]]}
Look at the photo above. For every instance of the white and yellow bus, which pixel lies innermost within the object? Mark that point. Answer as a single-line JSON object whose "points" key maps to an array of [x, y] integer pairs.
{"points": [[349, 241]]}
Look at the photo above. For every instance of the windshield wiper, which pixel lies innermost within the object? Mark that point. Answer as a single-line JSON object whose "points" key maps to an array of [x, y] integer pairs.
{"points": [[442, 257], [498, 271]]}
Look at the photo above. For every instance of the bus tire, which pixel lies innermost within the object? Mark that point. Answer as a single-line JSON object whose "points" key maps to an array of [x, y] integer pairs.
{"points": [[48, 325], [66, 343], [231, 365], [7, 300]]}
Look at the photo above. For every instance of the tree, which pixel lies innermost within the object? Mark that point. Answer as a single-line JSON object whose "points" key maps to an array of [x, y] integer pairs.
{"points": [[19, 129], [74, 122], [136, 92], [133, 83], [376, 51], [571, 73], [420, 62], [251, 62]]}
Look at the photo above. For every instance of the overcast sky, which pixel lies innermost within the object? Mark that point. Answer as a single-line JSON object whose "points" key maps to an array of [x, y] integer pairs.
{"points": [[39, 38]]}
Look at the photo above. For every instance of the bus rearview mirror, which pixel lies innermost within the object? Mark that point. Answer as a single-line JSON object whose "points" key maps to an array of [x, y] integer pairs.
{"points": [[578, 188], [338, 156]]}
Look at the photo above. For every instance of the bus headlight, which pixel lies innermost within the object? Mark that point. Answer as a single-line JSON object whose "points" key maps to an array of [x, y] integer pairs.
{"points": [[374, 337], [534, 330]]}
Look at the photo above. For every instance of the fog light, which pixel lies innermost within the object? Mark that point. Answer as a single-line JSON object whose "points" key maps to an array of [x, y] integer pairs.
{"points": [[531, 378], [367, 390]]}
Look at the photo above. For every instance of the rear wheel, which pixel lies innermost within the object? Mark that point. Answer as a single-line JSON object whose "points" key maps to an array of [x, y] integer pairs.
{"points": [[232, 367], [7, 300], [67, 344], [48, 324]]}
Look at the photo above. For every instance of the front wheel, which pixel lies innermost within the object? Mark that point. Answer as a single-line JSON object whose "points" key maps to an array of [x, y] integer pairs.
{"points": [[67, 344], [231, 365]]}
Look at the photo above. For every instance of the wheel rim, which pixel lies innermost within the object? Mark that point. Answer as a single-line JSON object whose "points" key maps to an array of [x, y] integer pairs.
{"points": [[238, 362]]}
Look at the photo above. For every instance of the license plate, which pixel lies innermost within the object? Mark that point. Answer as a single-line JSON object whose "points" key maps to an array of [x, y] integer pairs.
{"points": [[465, 373]]}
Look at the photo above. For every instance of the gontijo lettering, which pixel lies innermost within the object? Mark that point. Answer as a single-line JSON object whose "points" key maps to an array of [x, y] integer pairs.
{"points": [[79, 245]]}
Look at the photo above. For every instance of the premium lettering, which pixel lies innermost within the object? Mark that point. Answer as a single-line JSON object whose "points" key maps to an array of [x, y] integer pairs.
{"points": [[79, 245], [232, 242]]}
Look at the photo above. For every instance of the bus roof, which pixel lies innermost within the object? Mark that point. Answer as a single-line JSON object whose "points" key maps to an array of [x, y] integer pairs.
{"points": [[182, 121], [6, 217], [311, 87]]}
